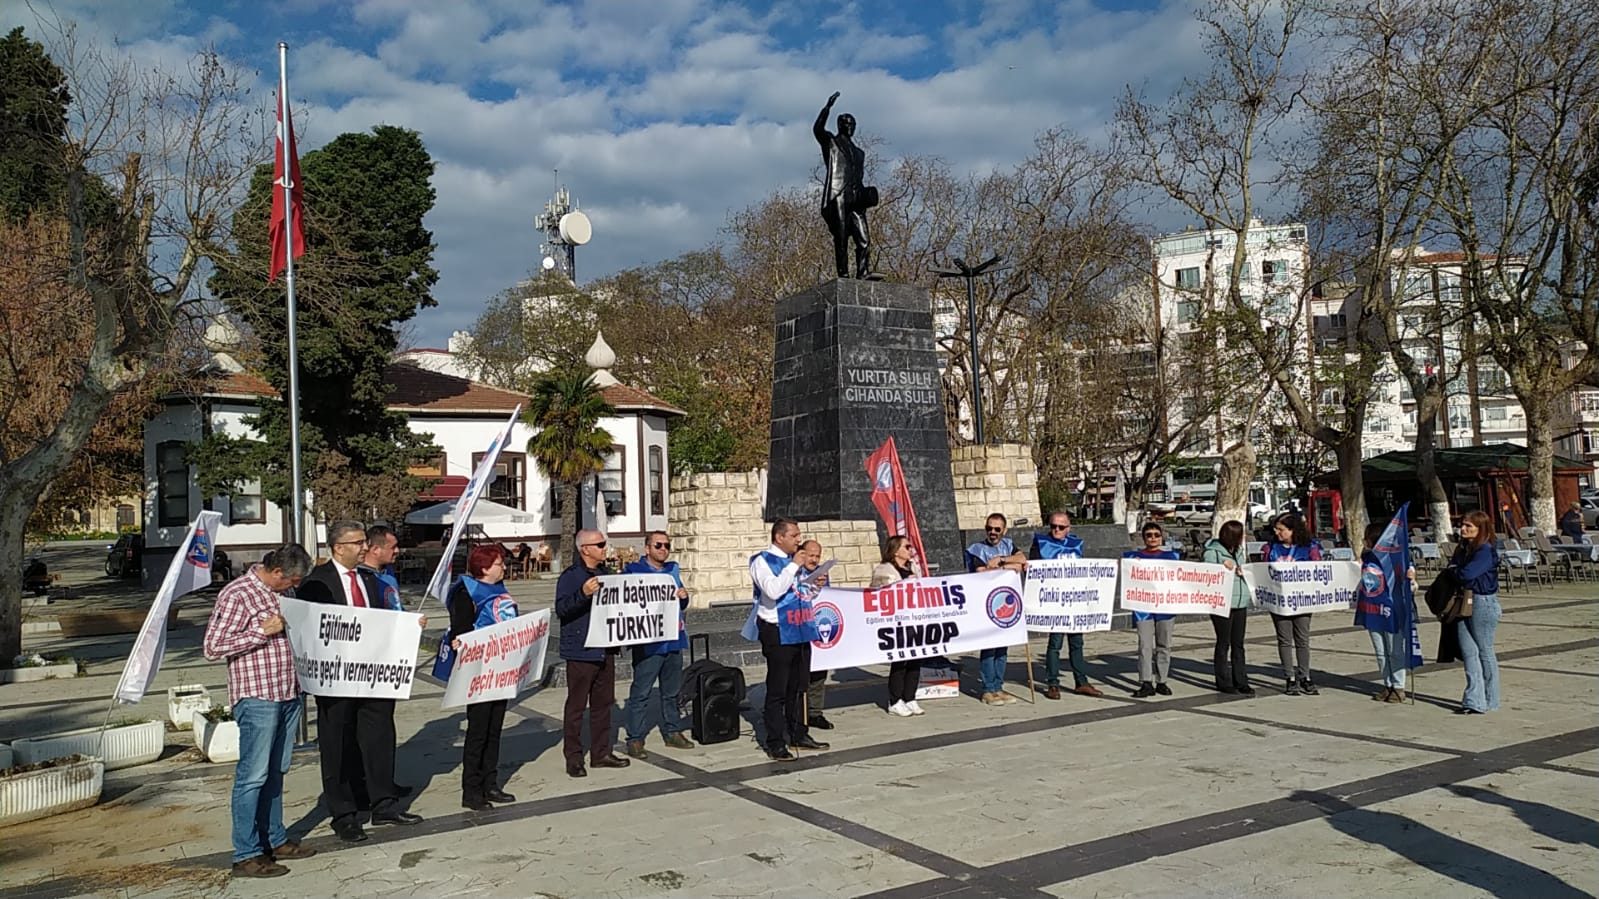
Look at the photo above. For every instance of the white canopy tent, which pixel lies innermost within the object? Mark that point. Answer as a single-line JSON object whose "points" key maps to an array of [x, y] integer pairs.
{"points": [[486, 511]]}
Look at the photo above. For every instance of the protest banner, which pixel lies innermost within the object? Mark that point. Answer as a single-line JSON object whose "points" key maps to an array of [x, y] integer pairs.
{"points": [[917, 618], [1300, 588], [500, 661], [1069, 596], [352, 651], [633, 608], [189, 571], [1175, 588]]}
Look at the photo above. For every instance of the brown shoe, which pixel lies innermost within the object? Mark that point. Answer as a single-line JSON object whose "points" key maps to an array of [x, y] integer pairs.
{"points": [[1395, 695], [635, 748], [1052, 692], [609, 761], [1087, 690], [260, 866], [292, 850], [678, 741], [993, 698]]}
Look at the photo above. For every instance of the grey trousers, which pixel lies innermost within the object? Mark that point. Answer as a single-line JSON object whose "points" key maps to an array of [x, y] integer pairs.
{"points": [[1154, 649], [1293, 643]]}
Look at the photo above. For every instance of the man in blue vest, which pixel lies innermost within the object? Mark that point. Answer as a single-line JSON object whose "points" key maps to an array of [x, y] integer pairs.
{"points": [[657, 662], [773, 572], [1058, 542], [993, 552]]}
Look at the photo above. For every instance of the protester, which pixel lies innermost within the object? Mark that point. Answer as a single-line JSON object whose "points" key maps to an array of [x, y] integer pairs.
{"points": [[480, 599], [355, 735], [1385, 616], [905, 675], [810, 559], [590, 672], [657, 663], [1571, 523], [1227, 550], [1059, 543], [382, 546], [773, 572], [246, 629], [1476, 563], [994, 552], [1154, 628], [1293, 543]]}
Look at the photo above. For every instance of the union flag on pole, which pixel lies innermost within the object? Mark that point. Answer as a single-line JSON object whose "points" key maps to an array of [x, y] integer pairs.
{"points": [[281, 228], [893, 499]]}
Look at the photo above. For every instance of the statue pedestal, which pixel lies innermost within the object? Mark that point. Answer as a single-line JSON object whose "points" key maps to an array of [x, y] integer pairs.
{"points": [[856, 363]]}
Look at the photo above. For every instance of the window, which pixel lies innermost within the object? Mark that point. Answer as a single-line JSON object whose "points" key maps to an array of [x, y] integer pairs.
{"points": [[1188, 278], [613, 482], [246, 506], [1338, 321], [657, 482], [172, 484], [124, 516], [1410, 324], [1459, 418], [1331, 396], [509, 478], [1296, 233], [557, 498], [1274, 271], [1187, 312], [1379, 424]]}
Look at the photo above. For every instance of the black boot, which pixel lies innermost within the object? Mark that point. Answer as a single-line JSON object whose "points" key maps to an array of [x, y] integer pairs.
{"points": [[1145, 690]]}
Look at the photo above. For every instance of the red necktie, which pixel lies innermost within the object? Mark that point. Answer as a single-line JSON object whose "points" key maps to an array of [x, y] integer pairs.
{"points": [[355, 590]]}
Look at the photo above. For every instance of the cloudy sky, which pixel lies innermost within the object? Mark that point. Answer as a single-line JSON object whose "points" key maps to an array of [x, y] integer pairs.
{"points": [[662, 116]]}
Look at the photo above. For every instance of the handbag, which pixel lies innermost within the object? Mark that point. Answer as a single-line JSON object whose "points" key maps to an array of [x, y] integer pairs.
{"points": [[1459, 606]]}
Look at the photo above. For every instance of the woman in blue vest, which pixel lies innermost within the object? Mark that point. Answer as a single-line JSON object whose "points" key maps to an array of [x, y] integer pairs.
{"points": [[479, 599], [1385, 617], [1476, 562], [1227, 550], [1154, 628], [1293, 543]]}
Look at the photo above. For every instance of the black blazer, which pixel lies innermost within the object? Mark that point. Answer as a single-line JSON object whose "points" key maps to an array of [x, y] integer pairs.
{"points": [[323, 585]]}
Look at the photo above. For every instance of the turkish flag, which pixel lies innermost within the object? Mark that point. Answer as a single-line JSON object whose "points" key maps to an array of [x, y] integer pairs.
{"points": [[893, 499], [282, 227]]}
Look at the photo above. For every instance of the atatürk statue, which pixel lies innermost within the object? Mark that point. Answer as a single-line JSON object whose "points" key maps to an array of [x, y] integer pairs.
{"points": [[844, 199]]}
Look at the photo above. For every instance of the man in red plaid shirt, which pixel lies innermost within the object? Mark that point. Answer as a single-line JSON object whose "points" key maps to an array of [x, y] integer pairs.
{"points": [[246, 629]]}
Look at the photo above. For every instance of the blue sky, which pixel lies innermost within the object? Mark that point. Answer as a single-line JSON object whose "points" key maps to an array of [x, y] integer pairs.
{"points": [[661, 115]]}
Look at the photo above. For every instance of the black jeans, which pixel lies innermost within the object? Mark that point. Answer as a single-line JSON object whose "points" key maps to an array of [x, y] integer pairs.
{"points": [[480, 759], [1230, 642], [590, 685], [788, 673], [903, 679]]}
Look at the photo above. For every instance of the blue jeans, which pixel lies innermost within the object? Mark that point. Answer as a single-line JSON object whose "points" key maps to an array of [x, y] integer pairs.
{"points": [[668, 669], [1477, 652], [1393, 651], [266, 746], [991, 668]]}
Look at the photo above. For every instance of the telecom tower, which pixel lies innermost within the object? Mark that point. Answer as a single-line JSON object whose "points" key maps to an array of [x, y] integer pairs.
{"points": [[565, 229]]}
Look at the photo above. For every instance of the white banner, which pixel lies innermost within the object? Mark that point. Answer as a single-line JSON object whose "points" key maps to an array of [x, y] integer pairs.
{"points": [[633, 608], [917, 618], [439, 586], [350, 651], [499, 662], [1176, 588], [1069, 596], [190, 570], [1300, 588]]}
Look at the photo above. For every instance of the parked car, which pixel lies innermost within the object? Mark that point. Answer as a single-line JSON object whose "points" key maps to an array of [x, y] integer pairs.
{"points": [[1590, 513], [125, 558], [1194, 513]]}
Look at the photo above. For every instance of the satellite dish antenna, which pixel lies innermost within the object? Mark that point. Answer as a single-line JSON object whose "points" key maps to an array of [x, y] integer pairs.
{"points": [[548, 263], [575, 228]]}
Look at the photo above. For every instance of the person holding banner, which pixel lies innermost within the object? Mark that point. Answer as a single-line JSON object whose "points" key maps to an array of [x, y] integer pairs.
{"points": [[810, 559], [381, 548], [905, 675], [993, 552], [1386, 614], [1058, 542], [1293, 543], [1227, 550], [479, 599], [658, 662], [246, 629], [1476, 563], [785, 644], [1154, 628], [590, 672]]}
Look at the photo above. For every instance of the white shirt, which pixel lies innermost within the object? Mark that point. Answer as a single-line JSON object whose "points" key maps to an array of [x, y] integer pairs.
{"points": [[771, 587], [344, 581]]}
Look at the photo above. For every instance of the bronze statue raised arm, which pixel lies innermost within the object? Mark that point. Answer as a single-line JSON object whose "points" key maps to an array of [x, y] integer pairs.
{"points": [[844, 198]]}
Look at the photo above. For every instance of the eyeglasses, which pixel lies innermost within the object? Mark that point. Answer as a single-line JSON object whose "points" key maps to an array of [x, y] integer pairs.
{"points": [[1059, 527], [994, 530], [361, 542], [1156, 534], [660, 546], [599, 545]]}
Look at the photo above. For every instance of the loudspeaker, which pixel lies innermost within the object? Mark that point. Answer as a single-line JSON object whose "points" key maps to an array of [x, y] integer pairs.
{"points": [[716, 707]]}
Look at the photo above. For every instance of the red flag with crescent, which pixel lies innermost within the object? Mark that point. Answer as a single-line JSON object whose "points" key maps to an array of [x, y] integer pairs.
{"points": [[893, 499]]}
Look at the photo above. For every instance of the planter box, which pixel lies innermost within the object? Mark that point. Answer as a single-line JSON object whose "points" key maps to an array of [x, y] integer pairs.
{"points": [[131, 744], [218, 741], [40, 672], [110, 621], [50, 791], [184, 701]]}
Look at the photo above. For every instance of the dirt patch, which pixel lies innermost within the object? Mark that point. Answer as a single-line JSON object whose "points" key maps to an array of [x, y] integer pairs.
{"points": [[135, 877]]}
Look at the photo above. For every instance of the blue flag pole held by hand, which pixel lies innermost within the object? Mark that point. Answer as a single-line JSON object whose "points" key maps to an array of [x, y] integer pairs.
{"points": [[1393, 554]]}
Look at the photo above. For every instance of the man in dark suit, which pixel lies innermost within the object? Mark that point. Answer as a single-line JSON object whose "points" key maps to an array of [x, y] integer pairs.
{"points": [[354, 735]]}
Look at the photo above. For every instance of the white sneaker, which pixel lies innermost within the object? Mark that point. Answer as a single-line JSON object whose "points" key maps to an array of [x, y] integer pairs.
{"points": [[915, 708], [900, 709]]}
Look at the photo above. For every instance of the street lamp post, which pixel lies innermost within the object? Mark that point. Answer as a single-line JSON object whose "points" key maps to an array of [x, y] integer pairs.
{"points": [[970, 273]]}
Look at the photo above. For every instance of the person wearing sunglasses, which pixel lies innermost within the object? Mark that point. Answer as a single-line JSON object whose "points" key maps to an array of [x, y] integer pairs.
{"points": [[774, 572], [657, 662], [810, 559], [993, 552], [590, 671], [1058, 542], [1154, 628]]}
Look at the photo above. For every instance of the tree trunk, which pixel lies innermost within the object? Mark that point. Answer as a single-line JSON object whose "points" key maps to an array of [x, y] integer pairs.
{"points": [[567, 544], [1352, 487], [13, 548], [1540, 461], [1428, 401], [1232, 485]]}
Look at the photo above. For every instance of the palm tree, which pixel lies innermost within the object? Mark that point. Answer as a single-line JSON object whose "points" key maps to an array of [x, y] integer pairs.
{"points": [[569, 444]]}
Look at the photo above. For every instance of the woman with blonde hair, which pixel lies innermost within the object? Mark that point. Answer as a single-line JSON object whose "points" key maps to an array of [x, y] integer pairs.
{"points": [[1476, 563], [905, 675]]}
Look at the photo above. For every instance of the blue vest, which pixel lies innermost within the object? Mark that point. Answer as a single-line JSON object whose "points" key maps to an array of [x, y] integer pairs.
{"points": [[795, 623], [979, 553], [1050, 548], [642, 566]]}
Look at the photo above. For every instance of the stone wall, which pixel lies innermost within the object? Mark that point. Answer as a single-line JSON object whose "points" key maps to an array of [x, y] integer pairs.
{"points": [[994, 478], [716, 525]]}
